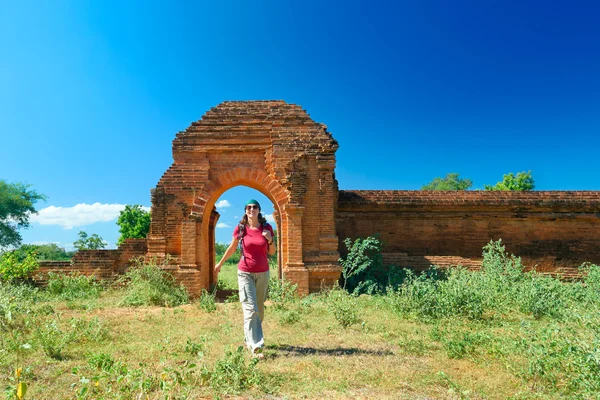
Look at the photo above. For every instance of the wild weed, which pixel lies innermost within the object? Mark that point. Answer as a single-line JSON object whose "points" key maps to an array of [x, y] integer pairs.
{"points": [[150, 285], [73, 286], [343, 307], [207, 301], [53, 339], [232, 374], [281, 293]]}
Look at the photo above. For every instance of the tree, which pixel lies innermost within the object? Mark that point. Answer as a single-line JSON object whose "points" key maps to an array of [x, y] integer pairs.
{"points": [[134, 222], [48, 251], [449, 182], [16, 206], [523, 181], [86, 242]]}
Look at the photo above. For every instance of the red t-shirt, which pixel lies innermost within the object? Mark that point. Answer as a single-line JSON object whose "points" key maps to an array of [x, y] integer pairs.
{"points": [[254, 249]]}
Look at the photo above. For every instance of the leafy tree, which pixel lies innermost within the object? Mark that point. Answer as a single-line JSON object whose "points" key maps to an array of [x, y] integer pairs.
{"points": [[449, 182], [134, 222], [17, 202], [86, 242], [48, 251], [523, 181]]}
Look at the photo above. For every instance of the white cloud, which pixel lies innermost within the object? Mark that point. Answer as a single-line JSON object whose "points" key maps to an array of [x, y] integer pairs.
{"points": [[78, 215], [236, 217], [223, 225], [223, 204], [269, 218]]}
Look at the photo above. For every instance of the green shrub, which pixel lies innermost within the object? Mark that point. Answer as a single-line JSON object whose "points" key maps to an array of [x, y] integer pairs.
{"points": [[343, 306], [12, 269], [52, 339], [151, 285], [233, 374], [207, 301], [541, 296], [289, 317], [363, 270], [73, 286], [101, 361], [282, 293]]}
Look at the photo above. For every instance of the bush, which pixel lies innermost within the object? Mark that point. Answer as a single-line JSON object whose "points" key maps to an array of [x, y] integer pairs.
{"points": [[343, 306], [150, 285], [73, 286], [13, 269], [281, 293], [232, 374], [207, 301], [363, 270]]}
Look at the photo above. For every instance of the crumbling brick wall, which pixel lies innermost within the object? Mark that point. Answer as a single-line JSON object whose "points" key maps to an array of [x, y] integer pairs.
{"points": [[554, 230], [103, 264]]}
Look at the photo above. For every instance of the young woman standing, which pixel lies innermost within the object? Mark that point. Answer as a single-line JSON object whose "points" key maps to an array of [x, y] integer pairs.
{"points": [[255, 237]]}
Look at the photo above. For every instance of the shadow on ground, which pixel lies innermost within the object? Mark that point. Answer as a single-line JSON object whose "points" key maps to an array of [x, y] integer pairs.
{"points": [[283, 350]]}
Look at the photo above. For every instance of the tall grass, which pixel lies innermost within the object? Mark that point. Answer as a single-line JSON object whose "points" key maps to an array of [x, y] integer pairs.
{"points": [[148, 284]]}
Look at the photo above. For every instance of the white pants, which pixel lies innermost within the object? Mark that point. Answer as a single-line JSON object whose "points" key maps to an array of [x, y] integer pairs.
{"points": [[253, 293]]}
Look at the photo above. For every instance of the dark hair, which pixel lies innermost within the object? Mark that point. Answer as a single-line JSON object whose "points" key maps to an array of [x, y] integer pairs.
{"points": [[261, 219]]}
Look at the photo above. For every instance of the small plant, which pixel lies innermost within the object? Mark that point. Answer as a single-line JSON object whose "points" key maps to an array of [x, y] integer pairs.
{"points": [[150, 285], [207, 301], [195, 348], [281, 293], [343, 306], [289, 317], [73, 286], [52, 339], [101, 361], [233, 374]]}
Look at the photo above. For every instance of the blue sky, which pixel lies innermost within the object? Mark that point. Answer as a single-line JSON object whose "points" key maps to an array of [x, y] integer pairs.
{"points": [[92, 93]]}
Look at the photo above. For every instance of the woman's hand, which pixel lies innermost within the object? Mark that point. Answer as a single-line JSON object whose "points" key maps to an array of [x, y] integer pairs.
{"points": [[267, 235], [218, 267]]}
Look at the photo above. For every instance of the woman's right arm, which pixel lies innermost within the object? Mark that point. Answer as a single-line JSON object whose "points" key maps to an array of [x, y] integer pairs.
{"points": [[228, 253]]}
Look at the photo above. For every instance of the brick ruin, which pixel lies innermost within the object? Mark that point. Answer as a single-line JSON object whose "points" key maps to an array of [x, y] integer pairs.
{"points": [[277, 149]]}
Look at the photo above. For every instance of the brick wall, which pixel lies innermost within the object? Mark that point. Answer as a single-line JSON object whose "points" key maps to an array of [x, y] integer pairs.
{"points": [[555, 230], [103, 264]]}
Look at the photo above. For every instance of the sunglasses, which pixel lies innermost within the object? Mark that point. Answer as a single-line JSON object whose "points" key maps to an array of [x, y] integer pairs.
{"points": [[252, 207]]}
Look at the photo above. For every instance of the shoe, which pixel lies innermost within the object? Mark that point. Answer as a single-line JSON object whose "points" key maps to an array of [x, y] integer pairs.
{"points": [[257, 353]]}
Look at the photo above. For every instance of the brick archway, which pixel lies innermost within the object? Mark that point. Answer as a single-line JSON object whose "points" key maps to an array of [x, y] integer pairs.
{"points": [[271, 146]]}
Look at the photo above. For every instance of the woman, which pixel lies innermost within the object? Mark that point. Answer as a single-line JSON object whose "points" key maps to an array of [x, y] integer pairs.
{"points": [[255, 237]]}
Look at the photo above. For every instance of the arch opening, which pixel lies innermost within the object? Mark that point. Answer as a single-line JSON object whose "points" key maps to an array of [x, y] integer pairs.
{"points": [[229, 207]]}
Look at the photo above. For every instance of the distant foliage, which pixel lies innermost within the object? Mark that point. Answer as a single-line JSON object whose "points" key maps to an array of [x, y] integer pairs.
{"points": [[43, 252], [12, 268], [449, 182], [148, 284], [134, 222], [523, 181], [86, 242]]}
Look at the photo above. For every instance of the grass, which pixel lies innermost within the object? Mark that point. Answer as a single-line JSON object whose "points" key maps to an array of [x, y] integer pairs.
{"points": [[411, 342]]}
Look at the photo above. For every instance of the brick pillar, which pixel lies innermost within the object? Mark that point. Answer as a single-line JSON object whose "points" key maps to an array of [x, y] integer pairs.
{"points": [[294, 269], [188, 243], [328, 237]]}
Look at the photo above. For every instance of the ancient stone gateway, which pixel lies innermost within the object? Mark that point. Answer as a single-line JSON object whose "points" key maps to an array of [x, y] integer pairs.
{"points": [[271, 146]]}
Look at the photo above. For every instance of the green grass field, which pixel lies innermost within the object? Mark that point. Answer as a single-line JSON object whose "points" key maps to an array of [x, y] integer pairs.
{"points": [[494, 334]]}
